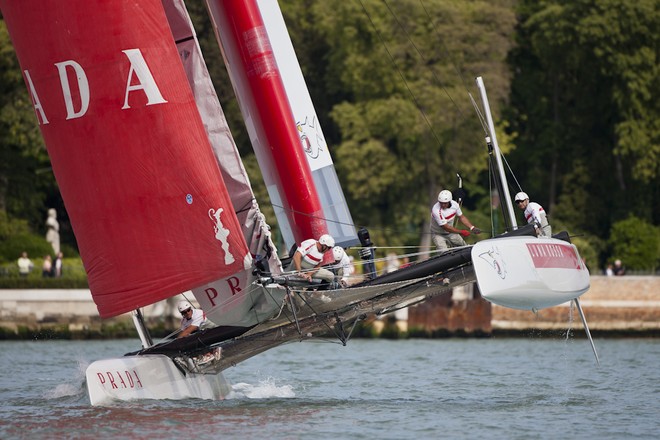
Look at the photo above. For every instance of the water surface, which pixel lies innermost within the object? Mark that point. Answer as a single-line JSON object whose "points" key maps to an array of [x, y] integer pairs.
{"points": [[509, 388]]}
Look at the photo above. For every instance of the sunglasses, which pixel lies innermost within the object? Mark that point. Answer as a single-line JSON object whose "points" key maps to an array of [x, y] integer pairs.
{"points": [[185, 312], [519, 201]]}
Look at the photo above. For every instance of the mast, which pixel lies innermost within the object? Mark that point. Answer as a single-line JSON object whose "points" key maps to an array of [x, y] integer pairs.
{"points": [[509, 216], [312, 139], [262, 97], [141, 327]]}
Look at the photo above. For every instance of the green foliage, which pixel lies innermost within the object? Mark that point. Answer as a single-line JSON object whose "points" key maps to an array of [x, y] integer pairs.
{"points": [[584, 106], [588, 247], [9, 226], [16, 237], [578, 220], [636, 243], [34, 245], [43, 283], [404, 123], [581, 125]]}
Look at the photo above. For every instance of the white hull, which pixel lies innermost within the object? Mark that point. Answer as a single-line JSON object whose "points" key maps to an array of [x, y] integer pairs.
{"points": [[149, 377], [529, 273]]}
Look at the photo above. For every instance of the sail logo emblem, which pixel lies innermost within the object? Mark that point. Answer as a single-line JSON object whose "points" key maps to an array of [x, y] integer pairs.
{"points": [[495, 260], [221, 234], [309, 137]]}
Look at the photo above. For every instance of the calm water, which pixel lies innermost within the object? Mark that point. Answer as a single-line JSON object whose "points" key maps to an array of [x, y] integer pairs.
{"points": [[429, 389]]}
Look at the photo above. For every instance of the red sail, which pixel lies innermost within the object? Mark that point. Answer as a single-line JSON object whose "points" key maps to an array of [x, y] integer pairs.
{"points": [[142, 189]]}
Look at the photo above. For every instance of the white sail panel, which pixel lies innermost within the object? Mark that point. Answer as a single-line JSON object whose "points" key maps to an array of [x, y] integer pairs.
{"points": [[335, 208]]}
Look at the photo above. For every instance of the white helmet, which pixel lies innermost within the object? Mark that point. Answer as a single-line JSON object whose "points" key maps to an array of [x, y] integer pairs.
{"points": [[338, 253], [327, 240], [183, 305], [521, 196], [444, 196]]}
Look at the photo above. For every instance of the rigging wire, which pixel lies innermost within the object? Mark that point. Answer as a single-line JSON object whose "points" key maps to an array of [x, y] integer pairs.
{"points": [[490, 191], [447, 53], [480, 115], [403, 78], [423, 58], [460, 75], [437, 81], [511, 172], [435, 77]]}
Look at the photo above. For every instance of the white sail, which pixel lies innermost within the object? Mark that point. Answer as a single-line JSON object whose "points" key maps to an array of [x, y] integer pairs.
{"points": [[335, 208]]}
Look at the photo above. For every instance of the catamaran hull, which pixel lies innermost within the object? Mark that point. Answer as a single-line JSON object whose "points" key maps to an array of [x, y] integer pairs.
{"points": [[149, 377], [529, 273]]}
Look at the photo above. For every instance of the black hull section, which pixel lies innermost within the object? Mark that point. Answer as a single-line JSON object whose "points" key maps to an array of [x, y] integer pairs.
{"points": [[196, 342], [408, 285], [451, 259], [437, 264]]}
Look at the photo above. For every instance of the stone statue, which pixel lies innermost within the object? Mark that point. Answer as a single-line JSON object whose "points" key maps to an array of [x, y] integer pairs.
{"points": [[53, 231]]}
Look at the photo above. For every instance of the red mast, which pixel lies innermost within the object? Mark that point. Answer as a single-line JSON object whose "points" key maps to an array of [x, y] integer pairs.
{"points": [[242, 33]]}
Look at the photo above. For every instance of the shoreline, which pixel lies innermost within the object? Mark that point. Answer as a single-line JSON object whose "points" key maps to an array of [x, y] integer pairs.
{"points": [[615, 307]]}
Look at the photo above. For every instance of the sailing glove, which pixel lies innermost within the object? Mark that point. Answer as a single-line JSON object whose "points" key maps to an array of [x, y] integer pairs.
{"points": [[475, 230], [464, 232]]}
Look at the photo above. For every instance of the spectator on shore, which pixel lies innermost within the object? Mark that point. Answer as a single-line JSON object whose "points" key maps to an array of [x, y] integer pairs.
{"points": [[57, 265], [618, 269], [609, 270], [47, 267], [25, 265]]}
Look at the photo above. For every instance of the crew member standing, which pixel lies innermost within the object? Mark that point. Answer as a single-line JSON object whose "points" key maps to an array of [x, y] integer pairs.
{"points": [[443, 217], [534, 213]]}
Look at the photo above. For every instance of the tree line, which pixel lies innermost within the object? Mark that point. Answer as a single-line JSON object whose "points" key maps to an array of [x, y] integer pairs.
{"points": [[573, 86]]}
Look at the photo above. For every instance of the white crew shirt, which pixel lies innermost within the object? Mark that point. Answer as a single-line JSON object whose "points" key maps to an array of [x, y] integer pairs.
{"points": [[311, 256], [441, 217], [535, 213], [198, 318]]}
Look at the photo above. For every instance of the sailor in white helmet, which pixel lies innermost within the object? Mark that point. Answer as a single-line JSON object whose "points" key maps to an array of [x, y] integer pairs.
{"points": [[342, 265], [534, 213], [443, 217], [192, 319], [308, 258]]}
